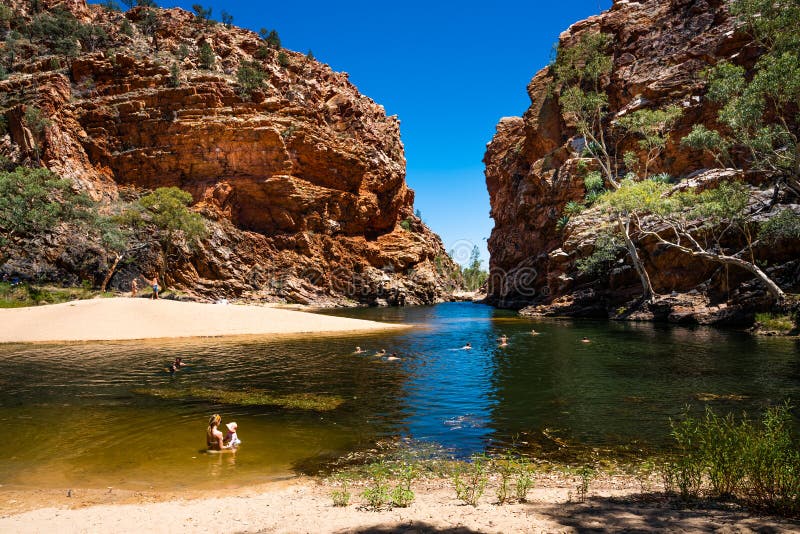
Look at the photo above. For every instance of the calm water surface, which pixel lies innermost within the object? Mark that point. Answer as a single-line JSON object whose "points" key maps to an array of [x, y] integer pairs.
{"points": [[72, 418]]}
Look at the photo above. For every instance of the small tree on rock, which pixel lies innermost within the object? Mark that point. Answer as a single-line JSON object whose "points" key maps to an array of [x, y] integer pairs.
{"points": [[33, 201], [206, 56], [166, 208]]}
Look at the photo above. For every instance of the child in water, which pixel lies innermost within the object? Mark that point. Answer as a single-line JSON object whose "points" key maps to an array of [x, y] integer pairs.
{"points": [[231, 440]]}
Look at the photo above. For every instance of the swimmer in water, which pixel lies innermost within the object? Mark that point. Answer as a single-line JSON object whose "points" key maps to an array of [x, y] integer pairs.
{"points": [[534, 333], [358, 350], [392, 358], [503, 340], [468, 346], [381, 352], [586, 340]]}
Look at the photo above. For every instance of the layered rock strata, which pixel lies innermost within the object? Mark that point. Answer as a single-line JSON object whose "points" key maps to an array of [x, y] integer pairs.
{"points": [[301, 180], [533, 169]]}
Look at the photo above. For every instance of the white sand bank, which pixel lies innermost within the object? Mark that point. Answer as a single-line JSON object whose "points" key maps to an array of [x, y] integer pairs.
{"points": [[306, 507], [138, 318]]}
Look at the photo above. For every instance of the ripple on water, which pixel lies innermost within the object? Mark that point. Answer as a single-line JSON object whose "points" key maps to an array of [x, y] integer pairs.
{"points": [[74, 405]]}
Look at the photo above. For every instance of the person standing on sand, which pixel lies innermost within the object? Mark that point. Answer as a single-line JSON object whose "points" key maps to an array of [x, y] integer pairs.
{"points": [[154, 283], [214, 437], [134, 287]]}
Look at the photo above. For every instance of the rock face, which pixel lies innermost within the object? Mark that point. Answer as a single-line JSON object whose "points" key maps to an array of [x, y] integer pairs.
{"points": [[659, 50], [302, 180]]}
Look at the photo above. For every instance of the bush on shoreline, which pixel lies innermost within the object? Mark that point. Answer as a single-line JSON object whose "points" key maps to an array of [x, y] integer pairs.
{"points": [[737, 458]]}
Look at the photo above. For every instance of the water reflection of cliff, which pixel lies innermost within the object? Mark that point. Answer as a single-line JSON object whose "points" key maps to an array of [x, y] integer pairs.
{"points": [[620, 389]]}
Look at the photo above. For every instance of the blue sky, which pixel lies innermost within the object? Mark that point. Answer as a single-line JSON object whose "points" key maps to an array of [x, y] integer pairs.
{"points": [[449, 70]]}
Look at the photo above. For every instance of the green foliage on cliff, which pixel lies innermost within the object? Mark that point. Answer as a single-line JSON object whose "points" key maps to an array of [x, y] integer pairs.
{"points": [[271, 37], [33, 201], [784, 226], [607, 247], [175, 75], [585, 62], [250, 77], [283, 59], [56, 30], [651, 126], [206, 56], [167, 209], [758, 107], [226, 18], [204, 14]]}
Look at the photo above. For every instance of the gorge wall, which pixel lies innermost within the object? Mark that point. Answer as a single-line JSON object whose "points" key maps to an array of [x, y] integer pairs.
{"points": [[301, 181], [659, 50]]}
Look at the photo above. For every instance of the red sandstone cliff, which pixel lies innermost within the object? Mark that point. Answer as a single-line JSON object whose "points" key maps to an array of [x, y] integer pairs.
{"points": [[302, 181], [659, 50]]}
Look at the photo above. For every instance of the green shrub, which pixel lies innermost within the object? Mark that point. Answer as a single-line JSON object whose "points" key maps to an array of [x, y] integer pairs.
{"points": [[772, 464], [516, 478], [402, 495], [377, 491], [586, 474], [271, 38], [778, 323], [759, 464], [783, 226], [593, 182], [283, 59], [263, 52], [341, 497], [57, 30], [204, 14], [607, 247], [33, 201], [250, 77], [470, 480], [182, 52], [125, 28], [683, 476], [206, 56], [573, 208], [175, 75], [523, 478], [405, 224]]}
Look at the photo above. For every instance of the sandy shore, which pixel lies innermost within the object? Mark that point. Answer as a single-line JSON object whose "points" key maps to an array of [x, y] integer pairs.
{"points": [[127, 318], [614, 504]]}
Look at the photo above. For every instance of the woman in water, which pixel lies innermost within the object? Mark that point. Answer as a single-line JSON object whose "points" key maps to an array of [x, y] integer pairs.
{"points": [[214, 437]]}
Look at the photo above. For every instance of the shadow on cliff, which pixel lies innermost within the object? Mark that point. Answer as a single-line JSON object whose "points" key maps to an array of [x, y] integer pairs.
{"points": [[413, 528], [650, 513]]}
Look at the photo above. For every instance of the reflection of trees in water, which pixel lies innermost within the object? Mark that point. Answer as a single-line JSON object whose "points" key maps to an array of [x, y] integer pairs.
{"points": [[622, 388]]}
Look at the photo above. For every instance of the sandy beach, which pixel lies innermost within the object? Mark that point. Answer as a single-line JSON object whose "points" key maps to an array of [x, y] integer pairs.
{"points": [[614, 504], [140, 318]]}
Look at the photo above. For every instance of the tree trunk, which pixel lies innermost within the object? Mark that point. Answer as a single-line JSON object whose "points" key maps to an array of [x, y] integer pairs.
{"points": [[647, 286], [750, 267], [110, 273], [772, 287]]}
